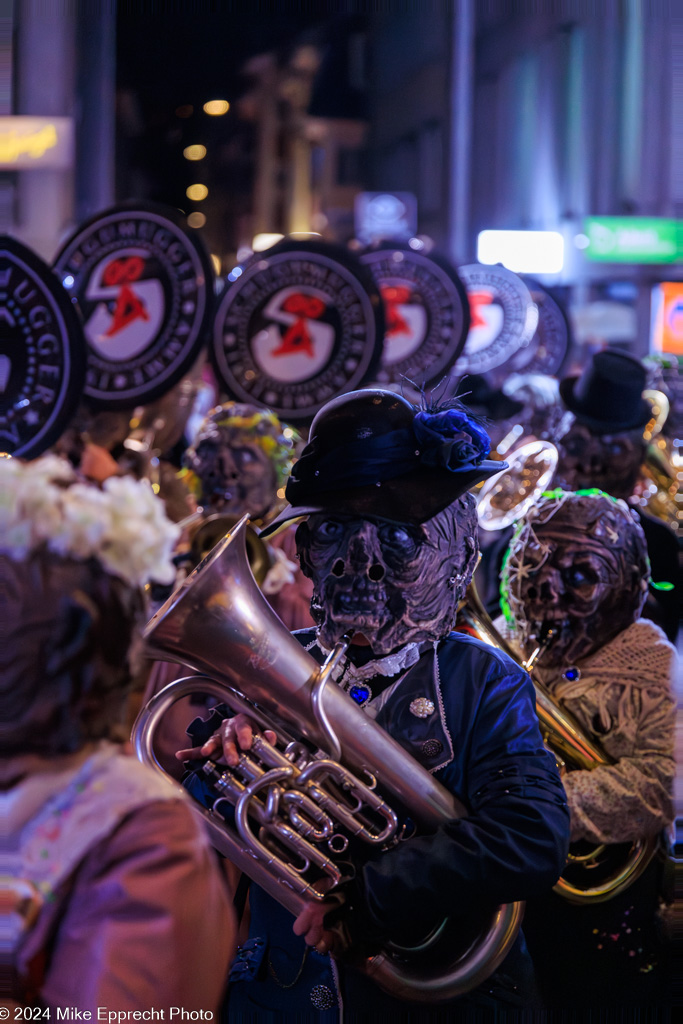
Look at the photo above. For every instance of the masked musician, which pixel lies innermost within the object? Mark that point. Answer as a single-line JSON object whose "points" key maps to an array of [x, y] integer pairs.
{"points": [[603, 446], [578, 565], [598, 429], [238, 463], [390, 545], [104, 870]]}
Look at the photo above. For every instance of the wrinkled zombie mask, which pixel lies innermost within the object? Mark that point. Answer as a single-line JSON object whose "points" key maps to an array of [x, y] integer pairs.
{"points": [[578, 564], [236, 476], [239, 460], [395, 583], [610, 462]]}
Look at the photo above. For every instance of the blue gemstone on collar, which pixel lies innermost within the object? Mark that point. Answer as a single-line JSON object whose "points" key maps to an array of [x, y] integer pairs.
{"points": [[359, 693], [571, 674]]}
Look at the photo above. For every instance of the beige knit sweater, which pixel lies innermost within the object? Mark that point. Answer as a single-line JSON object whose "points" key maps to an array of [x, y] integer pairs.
{"points": [[624, 700]]}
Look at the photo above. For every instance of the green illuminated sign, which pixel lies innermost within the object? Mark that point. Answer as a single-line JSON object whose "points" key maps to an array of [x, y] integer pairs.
{"points": [[634, 240]]}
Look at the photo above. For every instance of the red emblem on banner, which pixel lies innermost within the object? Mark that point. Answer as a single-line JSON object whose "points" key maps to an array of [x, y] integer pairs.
{"points": [[297, 337], [128, 306], [476, 300], [393, 297]]}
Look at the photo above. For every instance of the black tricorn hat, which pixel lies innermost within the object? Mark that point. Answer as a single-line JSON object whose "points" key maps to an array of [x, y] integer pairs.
{"points": [[608, 395], [372, 453]]}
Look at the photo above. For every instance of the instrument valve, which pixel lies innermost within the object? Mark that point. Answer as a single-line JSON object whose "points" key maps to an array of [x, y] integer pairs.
{"points": [[297, 754], [210, 768], [338, 843], [221, 779]]}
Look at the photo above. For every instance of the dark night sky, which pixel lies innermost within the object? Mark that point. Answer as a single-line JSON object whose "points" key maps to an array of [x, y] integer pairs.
{"points": [[168, 60], [191, 57]]}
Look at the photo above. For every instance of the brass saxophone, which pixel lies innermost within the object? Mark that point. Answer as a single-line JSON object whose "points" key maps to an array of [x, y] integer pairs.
{"points": [[295, 807], [573, 749], [661, 467]]}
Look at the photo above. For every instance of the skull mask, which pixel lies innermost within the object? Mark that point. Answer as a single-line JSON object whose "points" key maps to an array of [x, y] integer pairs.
{"points": [[240, 456], [610, 462], [395, 583], [236, 476], [578, 565]]}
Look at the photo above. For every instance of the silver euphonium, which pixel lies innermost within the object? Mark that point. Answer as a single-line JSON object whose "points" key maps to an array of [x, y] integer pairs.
{"points": [[333, 777]]}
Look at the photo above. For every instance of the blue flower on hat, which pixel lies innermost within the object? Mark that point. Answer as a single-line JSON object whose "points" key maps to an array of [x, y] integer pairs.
{"points": [[449, 439]]}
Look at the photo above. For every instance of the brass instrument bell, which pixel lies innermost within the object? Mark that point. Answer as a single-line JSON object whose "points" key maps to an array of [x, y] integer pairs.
{"points": [[506, 497]]}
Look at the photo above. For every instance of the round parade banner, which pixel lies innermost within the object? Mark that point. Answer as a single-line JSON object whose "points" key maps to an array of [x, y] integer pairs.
{"points": [[42, 353], [549, 348], [503, 317], [144, 288], [301, 324], [426, 313]]}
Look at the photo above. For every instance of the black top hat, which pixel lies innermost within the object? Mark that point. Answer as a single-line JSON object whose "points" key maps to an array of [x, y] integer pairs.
{"points": [[372, 453], [608, 395]]}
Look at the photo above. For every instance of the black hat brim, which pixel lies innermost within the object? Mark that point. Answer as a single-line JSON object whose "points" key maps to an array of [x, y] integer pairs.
{"points": [[636, 418], [411, 498], [490, 404]]}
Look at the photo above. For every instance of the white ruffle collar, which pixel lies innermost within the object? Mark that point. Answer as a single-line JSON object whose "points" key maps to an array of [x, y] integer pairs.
{"points": [[388, 666]]}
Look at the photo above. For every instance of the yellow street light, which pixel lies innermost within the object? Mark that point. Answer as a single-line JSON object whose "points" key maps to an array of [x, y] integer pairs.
{"points": [[196, 192], [216, 107], [194, 152], [196, 219]]}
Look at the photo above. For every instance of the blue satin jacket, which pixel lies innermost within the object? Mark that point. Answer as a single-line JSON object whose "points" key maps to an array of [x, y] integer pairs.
{"points": [[483, 743]]}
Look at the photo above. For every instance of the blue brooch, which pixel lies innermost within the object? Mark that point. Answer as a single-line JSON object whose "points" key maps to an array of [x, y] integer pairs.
{"points": [[572, 674], [360, 694]]}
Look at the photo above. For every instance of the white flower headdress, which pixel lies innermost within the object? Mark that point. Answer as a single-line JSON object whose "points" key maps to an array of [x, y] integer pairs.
{"points": [[124, 525]]}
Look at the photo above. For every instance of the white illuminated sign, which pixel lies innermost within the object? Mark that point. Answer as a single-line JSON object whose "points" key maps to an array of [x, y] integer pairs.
{"points": [[524, 252], [381, 215], [27, 142]]}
